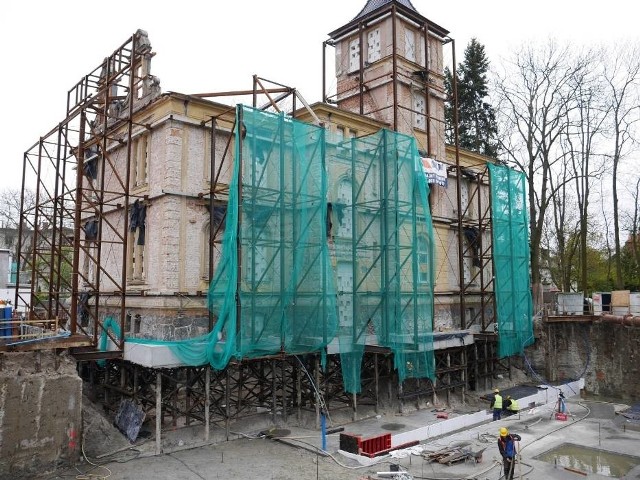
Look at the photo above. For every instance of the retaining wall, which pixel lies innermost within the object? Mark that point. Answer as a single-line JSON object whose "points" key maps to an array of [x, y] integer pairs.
{"points": [[606, 354]]}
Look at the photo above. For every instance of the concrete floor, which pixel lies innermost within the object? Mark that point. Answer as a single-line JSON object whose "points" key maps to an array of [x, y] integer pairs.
{"points": [[294, 455]]}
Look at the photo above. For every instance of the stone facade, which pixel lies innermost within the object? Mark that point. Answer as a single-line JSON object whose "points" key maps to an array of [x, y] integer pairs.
{"points": [[167, 276]]}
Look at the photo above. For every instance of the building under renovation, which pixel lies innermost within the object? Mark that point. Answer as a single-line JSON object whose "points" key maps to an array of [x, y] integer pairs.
{"points": [[204, 259]]}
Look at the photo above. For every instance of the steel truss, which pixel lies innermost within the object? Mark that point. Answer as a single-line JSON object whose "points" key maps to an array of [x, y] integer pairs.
{"points": [[283, 387]]}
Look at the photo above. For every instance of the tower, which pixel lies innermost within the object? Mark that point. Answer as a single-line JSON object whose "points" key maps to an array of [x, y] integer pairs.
{"points": [[389, 64]]}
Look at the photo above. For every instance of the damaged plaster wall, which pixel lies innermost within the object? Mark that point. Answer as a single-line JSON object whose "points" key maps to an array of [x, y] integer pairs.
{"points": [[40, 413]]}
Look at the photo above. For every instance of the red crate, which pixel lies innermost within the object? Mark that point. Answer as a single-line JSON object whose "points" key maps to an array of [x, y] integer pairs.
{"points": [[375, 445], [561, 416]]}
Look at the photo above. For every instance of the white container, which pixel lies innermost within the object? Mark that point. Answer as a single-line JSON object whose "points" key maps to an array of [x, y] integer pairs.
{"points": [[620, 310], [634, 304], [596, 297], [570, 303]]}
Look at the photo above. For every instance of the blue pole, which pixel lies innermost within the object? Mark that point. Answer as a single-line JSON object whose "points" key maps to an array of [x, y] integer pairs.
{"points": [[323, 426]]}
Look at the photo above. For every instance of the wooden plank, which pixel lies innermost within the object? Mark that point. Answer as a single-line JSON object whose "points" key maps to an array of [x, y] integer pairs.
{"points": [[84, 355], [47, 343]]}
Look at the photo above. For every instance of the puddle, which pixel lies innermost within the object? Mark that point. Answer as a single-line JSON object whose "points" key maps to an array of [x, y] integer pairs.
{"points": [[589, 460], [392, 426]]}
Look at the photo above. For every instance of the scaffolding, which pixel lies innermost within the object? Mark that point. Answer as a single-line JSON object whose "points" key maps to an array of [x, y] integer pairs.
{"points": [[475, 285], [310, 258], [511, 253], [82, 199], [325, 284]]}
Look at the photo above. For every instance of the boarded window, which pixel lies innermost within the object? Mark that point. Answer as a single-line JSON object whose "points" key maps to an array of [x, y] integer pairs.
{"points": [[344, 211], [410, 45], [354, 55], [139, 162], [373, 45], [419, 109]]}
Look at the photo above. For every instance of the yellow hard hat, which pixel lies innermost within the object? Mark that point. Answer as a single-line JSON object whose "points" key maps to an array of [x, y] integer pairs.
{"points": [[495, 390], [504, 432]]}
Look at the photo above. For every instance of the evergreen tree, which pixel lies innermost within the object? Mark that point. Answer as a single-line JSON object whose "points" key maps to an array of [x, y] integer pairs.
{"points": [[477, 128], [449, 135]]}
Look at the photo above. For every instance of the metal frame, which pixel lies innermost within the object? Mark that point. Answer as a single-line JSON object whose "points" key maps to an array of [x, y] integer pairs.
{"points": [[99, 114]]}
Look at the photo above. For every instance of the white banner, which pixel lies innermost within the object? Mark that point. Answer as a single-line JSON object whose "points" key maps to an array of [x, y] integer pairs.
{"points": [[435, 171]]}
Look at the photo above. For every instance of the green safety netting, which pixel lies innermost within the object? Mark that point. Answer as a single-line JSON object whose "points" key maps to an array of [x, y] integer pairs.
{"points": [[109, 323], [511, 252], [381, 252], [327, 246]]}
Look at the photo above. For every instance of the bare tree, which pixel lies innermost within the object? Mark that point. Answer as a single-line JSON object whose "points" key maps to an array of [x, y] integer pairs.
{"points": [[630, 251], [634, 228], [622, 77], [589, 114], [10, 206], [560, 234], [535, 97], [10, 216]]}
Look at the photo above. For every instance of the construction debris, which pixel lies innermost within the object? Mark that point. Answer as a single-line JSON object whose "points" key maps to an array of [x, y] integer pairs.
{"points": [[451, 455]]}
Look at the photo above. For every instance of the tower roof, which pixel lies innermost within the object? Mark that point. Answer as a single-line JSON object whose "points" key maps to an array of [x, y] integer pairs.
{"points": [[373, 5], [376, 8]]}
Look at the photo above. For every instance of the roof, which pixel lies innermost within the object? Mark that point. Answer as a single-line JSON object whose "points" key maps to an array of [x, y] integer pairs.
{"points": [[373, 5], [374, 9]]}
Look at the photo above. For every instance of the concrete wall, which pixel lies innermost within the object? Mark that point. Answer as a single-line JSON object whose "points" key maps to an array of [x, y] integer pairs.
{"points": [[608, 354], [40, 413]]}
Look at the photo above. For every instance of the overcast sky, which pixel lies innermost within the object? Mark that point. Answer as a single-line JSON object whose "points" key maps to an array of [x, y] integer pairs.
{"points": [[218, 45]]}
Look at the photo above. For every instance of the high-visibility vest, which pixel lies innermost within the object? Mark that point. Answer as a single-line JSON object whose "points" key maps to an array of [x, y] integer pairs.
{"points": [[514, 405], [497, 403]]}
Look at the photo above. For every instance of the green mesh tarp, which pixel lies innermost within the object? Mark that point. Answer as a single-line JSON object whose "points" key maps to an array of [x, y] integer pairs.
{"points": [[382, 253], [511, 260], [272, 291], [327, 243]]}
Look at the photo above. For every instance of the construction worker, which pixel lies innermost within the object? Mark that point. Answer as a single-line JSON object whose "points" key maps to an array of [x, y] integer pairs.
{"points": [[507, 447], [510, 405], [496, 404]]}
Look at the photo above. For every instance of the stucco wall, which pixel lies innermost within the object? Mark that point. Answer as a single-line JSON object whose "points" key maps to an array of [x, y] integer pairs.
{"points": [[40, 413]]}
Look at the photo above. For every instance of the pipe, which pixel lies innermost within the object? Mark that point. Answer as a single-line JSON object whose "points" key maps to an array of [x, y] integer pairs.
{"points": [[323, 423], [629, 320]]}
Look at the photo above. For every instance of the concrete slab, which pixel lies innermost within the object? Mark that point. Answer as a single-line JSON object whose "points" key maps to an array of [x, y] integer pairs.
{"points": [[162, 356], [544, 397], [154, 356], [441, 340]]}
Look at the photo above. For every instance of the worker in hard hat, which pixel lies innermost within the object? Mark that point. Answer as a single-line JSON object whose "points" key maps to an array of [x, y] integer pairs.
{"points": [[507, 447], [496, 404], [510, 405]]}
